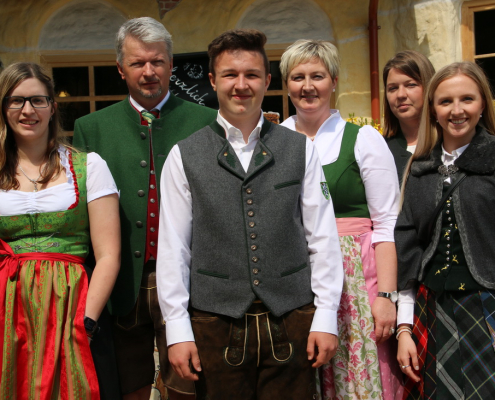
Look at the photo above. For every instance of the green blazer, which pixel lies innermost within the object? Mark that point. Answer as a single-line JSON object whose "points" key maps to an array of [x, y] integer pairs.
{"points": [[116, 134]]}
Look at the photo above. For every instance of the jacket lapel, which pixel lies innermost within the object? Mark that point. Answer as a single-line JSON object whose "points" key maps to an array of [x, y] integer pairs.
{"points": [[226, 156]]}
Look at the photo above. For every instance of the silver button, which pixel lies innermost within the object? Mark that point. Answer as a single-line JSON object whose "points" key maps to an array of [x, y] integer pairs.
{"points": [[152, 244], [143, 135], [254, 247], [253, 235], [152, 200], [255, 271], [139, 224], [450, 219], [448, 258], [152, 229], [140, 193], [448, 245], [152, 172], [249, 191], [448, 212], [250, 213], [447, 252], [152, 215], [137, 254], [143, 164], [448, 204], [252, 224], [249, 201], [256, 282], [448, 238], [152, 186], [255, 259]]}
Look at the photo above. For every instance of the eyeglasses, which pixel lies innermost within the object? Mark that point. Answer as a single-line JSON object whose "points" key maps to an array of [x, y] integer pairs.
{"points": [[17, 102]]}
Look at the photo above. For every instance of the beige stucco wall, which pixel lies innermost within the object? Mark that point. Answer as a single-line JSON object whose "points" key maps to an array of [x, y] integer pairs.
{"points": [[429, 26]]}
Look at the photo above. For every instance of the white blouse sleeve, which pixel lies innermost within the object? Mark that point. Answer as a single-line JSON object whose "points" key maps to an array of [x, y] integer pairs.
{"points": [[379, 175], [99, 180]]}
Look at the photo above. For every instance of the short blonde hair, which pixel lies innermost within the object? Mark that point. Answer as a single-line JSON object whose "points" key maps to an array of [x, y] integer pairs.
{"points": [[304, 50]]}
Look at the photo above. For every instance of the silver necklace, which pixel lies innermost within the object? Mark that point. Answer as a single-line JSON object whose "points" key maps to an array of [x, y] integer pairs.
{"points": [[33, 181]]}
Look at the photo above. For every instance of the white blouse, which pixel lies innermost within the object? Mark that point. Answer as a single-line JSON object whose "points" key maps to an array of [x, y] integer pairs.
{"points": [[376, 166], [99, 183]]}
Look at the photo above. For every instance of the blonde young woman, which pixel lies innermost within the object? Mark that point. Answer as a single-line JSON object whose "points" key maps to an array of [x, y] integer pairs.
{"points": [[405, 77], [446, 274], [362, 180], [54, 202]]}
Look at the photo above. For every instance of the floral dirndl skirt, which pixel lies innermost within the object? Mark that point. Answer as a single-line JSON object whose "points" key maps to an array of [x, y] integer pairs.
{"points": [[360, 369]]}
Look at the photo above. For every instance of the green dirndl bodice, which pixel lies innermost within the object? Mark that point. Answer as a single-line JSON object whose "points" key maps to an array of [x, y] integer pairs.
{"points": [[43, 287]]}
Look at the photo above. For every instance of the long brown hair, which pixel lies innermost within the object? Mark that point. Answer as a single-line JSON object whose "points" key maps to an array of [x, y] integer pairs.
{"points": [[430, 131], [416, 66], [10, 78]]}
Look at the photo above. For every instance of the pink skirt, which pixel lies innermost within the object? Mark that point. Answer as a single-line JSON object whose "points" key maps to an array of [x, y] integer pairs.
{"points": [[360, 369]]}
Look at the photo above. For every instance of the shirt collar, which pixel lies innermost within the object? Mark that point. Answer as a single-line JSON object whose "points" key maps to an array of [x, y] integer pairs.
{"points": [[448, 158], [140, 108], [232, 133]]}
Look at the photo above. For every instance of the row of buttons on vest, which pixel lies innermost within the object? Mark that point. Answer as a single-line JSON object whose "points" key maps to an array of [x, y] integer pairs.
{"points": [[253, 236]]}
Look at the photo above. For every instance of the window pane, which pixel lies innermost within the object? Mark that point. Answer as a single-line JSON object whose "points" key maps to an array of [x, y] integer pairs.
{"points": [[273, 104], [488, 65], [276, 82], [69, 112], [108, 81], [484, 31], [71, 81], [103, 104]]}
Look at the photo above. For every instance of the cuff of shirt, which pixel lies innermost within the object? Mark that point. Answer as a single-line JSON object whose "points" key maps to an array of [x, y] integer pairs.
{"points": [[325, 320], [178, 331], [405, 311]]}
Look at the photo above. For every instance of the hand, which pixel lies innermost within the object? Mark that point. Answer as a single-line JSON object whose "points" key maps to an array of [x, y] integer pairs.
{"points": [[182, 356], [384, 314], [408, 355], [323, 346]]}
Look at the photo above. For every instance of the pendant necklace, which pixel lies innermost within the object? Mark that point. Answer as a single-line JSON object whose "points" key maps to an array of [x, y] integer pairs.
{"points": [[33, 181]]}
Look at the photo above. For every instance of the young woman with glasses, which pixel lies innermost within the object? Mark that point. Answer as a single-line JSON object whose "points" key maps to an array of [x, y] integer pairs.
{"points": [[54, 203]]}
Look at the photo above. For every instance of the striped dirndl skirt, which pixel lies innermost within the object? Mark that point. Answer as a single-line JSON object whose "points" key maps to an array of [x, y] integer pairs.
{"points": [[454, 333]]}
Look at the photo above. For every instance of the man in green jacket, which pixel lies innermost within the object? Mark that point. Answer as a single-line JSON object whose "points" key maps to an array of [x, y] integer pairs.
{"points": [[134, 137]]}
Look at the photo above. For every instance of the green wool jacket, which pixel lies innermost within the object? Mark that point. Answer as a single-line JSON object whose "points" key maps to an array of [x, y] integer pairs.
{"points": [[116, 134]]}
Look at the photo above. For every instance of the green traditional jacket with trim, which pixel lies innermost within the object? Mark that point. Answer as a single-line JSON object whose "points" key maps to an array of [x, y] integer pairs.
{"points": [[116, 134]]}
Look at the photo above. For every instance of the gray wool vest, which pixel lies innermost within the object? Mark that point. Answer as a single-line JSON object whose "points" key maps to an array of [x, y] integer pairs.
{"points": [[248, 239]]}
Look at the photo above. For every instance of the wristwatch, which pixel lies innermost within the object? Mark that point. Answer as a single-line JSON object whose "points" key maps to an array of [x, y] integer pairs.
{"points": [[91, 326], [392, 296]]}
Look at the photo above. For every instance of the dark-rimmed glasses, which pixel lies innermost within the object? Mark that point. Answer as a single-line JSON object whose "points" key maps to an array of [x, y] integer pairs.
{"points": [[17, 102]]}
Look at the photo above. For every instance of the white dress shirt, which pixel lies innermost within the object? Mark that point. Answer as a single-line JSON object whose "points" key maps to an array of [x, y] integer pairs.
{"points": [[99, 183], [376, 167], [407, 298], [174, 241]]}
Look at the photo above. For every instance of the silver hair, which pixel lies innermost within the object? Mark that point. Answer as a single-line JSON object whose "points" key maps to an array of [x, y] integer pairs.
{"points": [[145, 29]]}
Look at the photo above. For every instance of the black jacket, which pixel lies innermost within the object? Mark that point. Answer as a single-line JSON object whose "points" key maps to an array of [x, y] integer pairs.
{"points": [[398, 147], [474, 206]]}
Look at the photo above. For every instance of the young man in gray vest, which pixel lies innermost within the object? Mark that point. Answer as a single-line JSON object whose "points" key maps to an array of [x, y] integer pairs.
{"points": [[248, 244]]}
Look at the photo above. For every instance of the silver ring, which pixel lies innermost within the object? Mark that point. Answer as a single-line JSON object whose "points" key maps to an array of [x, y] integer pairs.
{"points": [[392, 331], [405, 366]]}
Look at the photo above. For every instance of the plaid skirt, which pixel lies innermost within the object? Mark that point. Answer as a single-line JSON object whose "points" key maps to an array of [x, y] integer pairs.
{"points": [[454, 333]]}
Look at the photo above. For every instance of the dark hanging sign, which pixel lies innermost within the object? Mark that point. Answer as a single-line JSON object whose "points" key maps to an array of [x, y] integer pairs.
{"points": [[189, 79]]}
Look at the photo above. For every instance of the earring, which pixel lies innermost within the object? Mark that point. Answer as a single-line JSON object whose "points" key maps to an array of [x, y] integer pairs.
{"points": [[288, 94], [481, 115], [334, 89], [437, 121]]}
